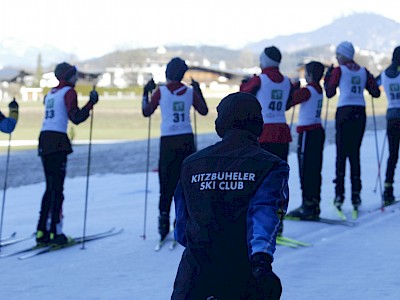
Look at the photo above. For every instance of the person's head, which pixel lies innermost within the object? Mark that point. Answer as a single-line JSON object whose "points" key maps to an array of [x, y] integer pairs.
{"points": [[66, 72], [239, 111], [314, 71], [396, 56], [270, 57], [344, 52], [176, 69]]}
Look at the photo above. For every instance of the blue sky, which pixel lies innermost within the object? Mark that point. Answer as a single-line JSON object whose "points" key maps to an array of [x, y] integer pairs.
{"points": [[94, 27]]}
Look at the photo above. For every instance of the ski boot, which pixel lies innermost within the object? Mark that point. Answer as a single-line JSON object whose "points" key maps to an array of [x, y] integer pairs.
{"points": [[338, 202], [42, 238], [303, 213], [59, 239], [163, 225], [388, 197], [356, 201]]}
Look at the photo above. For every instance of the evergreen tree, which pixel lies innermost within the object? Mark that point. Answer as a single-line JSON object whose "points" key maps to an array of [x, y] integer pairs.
{"points": [[39, 70]]}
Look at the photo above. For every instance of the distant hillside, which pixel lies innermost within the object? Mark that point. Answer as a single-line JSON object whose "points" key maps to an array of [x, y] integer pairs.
{"points": [[201, 55], [365, 30]]}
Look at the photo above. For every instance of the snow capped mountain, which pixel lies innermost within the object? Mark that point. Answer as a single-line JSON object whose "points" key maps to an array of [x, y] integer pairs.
{"points": [[17, 53]]}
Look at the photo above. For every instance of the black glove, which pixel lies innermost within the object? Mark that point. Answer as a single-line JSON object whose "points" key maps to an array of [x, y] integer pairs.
{"points": [[195, 85], [13, 107], [94, 96], [150, 86], [267, 282]]}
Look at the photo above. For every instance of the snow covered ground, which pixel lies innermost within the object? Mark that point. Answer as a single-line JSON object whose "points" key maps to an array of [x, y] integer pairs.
{"points": [[360, 262]]}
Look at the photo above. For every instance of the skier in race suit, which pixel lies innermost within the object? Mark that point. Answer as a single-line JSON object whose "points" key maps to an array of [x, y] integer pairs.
{"points": [[61, 105], [311, 137], [274, 91], [390, 80], [229, 202], [177, 141], [350, 117], [7, 125]]}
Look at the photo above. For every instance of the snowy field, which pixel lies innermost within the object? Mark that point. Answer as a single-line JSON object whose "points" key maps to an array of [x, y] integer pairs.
{"points": [[360, 262]]}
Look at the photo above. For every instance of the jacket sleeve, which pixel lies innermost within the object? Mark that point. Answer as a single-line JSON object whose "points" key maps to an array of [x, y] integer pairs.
{"points": [[149, 107], [7, 125], [372, 86], [199, 103], [251, 86], [331, 82], [181, 215], [266, 210], [75, 114]]}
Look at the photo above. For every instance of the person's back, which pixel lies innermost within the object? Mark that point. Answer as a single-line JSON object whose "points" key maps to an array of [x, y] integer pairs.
{"points": [[223, 187]]}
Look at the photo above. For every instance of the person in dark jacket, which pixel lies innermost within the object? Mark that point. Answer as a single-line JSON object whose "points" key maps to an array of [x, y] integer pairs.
{"points": [[61, 105], [390, 80], [7, 125], [350, 118], [229, 202]]}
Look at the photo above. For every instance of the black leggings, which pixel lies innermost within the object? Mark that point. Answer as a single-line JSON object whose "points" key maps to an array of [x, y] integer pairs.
{"points": [[173, 150], [350, 127], [54, 166], [393, 134], [309, 153]]}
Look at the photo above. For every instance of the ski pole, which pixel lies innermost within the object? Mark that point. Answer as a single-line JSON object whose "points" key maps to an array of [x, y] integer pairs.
{"points": [[147, 178], [88, 175], [377, 155], [380, 161], [5, 187]]}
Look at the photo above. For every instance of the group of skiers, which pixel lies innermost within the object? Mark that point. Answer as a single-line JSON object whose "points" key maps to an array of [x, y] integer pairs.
{"points": [[229, 234], [231, 197]]}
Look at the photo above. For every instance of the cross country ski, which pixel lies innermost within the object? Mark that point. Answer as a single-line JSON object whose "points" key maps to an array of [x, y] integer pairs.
{"points": [[14, 240], [73, 242]]}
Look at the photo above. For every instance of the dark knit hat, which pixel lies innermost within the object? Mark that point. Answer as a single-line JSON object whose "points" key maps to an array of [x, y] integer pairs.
{"points": [[396, 56], [176, 68], [64, 71], [316, 69], [273, 53], [239, 111], [270, 57]]}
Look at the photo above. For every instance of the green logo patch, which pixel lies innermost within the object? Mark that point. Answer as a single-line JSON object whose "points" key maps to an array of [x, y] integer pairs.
{"points": [[276, 94], [50, 103], [355, 80], [179, 106]]}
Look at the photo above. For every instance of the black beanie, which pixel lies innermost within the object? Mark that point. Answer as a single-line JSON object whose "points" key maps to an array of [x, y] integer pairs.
{"points": [[396, 56], [176, 68], [239, 111], [316, 69], [64, 71], [273, 53]]}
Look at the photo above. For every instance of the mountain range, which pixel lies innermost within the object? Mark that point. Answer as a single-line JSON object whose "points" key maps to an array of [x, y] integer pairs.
{"points": [[367, 31]]}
